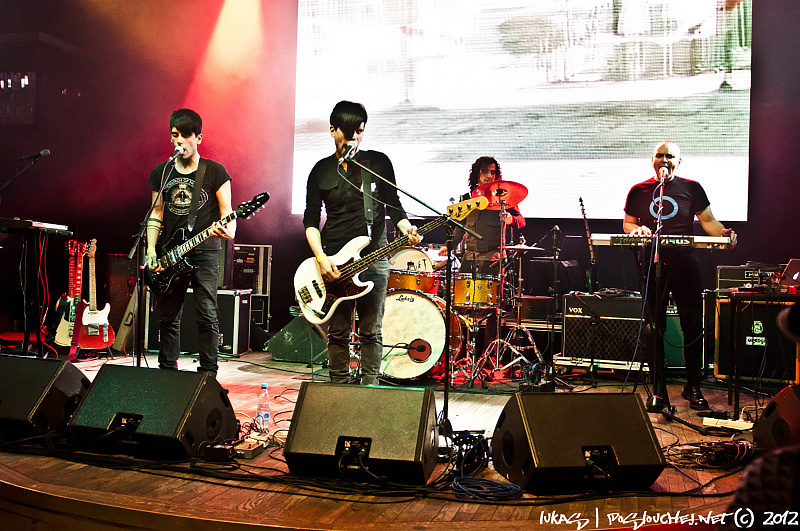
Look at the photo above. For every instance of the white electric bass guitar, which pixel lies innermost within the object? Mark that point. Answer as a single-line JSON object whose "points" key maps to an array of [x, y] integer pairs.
{"points": [[318, 298]]}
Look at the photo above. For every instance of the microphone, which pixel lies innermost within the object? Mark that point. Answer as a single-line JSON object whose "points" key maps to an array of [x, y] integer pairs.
{"points": [[555, 228], [36, 156], [352, 146], [175, 154], [663, 171]]}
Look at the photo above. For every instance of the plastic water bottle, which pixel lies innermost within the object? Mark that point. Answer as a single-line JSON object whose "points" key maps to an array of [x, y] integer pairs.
{"points": [[262, 411]]}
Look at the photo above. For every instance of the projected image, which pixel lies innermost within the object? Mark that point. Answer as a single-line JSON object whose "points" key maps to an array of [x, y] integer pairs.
{"points": [[570, 96]]}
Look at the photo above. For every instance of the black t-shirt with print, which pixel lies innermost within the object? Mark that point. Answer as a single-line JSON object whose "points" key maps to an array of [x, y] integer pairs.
{"points": [[683, 199], [178, 200]]}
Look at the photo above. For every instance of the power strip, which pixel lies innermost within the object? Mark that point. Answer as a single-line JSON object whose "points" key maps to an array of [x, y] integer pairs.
{"points": [[741, 425]]}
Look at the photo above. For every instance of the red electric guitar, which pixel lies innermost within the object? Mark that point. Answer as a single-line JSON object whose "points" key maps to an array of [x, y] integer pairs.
{"points": [[67, 303]]}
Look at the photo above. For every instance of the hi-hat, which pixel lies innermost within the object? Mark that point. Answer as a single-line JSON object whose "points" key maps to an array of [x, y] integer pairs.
{"points": [[509, 191], [523, 248]]}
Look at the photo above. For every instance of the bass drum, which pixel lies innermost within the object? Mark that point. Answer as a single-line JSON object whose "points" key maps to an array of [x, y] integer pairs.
{"points": [[411, 259], [413, 334]]}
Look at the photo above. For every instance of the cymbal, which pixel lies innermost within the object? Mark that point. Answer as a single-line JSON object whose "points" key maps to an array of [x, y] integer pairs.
{"points": [[523, 248], [509, 191]]}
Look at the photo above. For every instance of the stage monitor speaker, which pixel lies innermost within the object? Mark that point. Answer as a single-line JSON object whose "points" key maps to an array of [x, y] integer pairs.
{"points": [[571, 442], [393, 428], [37, 395], [155, 412], [780, 423], [299, 341]]}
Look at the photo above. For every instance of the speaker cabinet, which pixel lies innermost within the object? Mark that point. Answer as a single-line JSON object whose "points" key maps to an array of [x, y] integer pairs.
{"points": [[155, 412], [37, 395], [233, 314], [299, 341], [780, 423], [601, 329], [544, 442], [393, 428], [251, 268], [121, 283], [765, 354], [606, 329]]}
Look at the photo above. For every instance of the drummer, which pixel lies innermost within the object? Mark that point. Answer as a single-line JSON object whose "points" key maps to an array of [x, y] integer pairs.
{"points": [[481, 257]]}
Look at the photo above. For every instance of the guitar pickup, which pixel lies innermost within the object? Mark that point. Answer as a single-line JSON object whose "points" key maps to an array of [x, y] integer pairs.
{"points": [[317, 288], [305, 296]]}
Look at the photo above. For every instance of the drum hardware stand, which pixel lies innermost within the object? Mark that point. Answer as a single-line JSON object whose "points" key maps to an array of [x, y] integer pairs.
{"points": [[498, 345]]}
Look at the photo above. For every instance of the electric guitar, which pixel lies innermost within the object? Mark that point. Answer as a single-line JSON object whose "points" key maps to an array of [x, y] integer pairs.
{"points": [[173, 261], [94, 332], [591, 273], [318, 297], [67, 323]]}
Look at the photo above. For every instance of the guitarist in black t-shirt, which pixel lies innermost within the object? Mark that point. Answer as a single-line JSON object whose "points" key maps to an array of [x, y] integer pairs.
{"points": [[170, 222]]}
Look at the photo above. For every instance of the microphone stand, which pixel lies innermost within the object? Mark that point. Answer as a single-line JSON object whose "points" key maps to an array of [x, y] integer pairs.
{"points": [[139, 290], [658, 368], [444, 425], [14, 177]]}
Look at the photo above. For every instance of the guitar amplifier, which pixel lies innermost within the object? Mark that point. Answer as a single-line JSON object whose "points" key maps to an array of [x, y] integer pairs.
{"points": [[604, 330], [737, 276], [765, 354], [233, 312], [251, 267]]}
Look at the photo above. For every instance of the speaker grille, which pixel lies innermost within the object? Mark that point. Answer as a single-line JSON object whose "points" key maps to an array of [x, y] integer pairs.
{"points": [[37, 395], [396, 425], [178, 410]]}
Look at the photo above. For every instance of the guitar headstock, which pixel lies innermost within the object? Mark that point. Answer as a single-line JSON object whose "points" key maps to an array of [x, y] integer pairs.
{"points": [[248, 208], [583, 212], [461, 210], [91, 248], [81, 248]]}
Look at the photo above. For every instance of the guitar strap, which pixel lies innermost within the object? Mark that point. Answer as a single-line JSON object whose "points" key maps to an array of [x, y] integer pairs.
{"points": [[366, 188], [198, 188]]}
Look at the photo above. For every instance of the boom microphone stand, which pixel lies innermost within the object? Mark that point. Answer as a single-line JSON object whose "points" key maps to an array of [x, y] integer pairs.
{"points": [[657, 369], [139, 251], [444, 425]]}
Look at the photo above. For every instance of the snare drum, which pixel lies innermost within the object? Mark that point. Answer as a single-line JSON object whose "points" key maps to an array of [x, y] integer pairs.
{"points": [[475, 291], [419, 281], [413, 334]]}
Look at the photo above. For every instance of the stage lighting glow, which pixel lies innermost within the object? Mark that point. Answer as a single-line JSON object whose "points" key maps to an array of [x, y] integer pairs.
{"points": [[237, 42]]}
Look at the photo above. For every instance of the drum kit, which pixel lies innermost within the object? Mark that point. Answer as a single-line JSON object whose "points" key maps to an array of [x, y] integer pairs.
{"points": [[414, 325]]}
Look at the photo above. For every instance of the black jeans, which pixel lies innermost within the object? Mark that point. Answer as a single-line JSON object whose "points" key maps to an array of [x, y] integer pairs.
{"points": [[680, 275], [204, 283]]}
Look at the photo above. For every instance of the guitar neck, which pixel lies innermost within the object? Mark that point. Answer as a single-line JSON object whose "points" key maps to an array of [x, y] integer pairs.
{"points": [[92, 286], [71, 288], [588, 233], [199, 238], [361, 264], [78, 277]]}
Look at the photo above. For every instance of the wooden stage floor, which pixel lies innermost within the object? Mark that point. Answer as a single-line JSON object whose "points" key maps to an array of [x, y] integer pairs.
{"points": [[73, 490]]}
